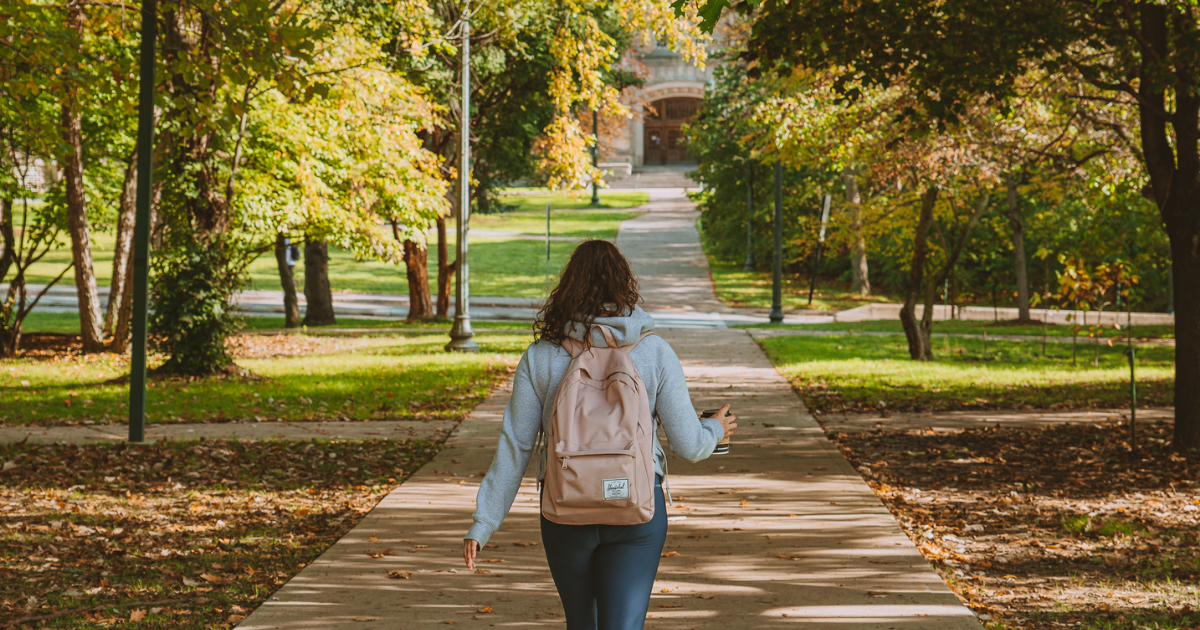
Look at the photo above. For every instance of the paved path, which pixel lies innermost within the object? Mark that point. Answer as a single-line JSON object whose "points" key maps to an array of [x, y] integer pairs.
{"points": [[780, 532]]}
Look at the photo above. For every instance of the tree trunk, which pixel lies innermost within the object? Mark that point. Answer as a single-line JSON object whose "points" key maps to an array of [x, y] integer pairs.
{"points": [[90, 320], [316, 285], [860, 282], [1186, 265], [446, 270], [123, 249], [954, 251], [121, 328], [1018, 238], [919, 347], [1173, 164], [124, 316], [287, 280], [416, 263], [7, 238]]}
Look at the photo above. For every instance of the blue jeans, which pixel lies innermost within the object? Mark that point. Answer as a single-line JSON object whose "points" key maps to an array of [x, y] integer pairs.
{"points": [[604, 573]]}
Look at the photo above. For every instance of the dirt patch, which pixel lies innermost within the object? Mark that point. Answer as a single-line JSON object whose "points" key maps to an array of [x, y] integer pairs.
{"points": [[272, 346], [1052, 527]]}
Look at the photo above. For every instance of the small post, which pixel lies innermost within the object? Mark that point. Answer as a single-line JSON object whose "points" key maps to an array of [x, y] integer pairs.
{"points": [[1132, 352], [547, 233], [595, 155], [812, 284], [776, 316], [141, 229], [751, 263], [461, 335]]}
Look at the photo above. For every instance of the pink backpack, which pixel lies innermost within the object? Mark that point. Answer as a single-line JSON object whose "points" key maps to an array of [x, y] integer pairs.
{"points": [[600, 445]]}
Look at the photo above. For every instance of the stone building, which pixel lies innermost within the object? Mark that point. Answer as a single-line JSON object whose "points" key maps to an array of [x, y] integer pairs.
{"points": [[653, 137]]}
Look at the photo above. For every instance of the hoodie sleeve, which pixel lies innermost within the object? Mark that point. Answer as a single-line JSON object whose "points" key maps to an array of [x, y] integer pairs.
{"points": [[518, 433], [689, 437]]}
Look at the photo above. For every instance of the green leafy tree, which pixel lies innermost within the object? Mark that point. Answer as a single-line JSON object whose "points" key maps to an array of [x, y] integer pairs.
{"points": [[1145, 55]]}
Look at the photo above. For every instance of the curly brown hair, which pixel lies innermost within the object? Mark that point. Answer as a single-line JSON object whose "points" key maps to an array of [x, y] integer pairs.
{"points": [[596, 282]]}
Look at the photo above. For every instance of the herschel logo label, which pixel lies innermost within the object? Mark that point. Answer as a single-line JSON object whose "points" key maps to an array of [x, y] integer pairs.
{"points": [[616, 489]]}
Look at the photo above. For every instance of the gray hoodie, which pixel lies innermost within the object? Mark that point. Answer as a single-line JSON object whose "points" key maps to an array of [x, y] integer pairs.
{"points": [[531, 406]]}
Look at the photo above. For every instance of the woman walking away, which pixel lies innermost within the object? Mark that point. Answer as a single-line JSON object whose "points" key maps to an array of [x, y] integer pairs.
{"points": [[585, 398]]}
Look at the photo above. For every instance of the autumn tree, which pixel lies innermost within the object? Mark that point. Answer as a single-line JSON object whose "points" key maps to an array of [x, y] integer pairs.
{"points": [[1145, 54]]}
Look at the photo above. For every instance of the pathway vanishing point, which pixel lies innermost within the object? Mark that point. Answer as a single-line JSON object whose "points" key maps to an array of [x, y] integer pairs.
{"points": [[782, 532]]}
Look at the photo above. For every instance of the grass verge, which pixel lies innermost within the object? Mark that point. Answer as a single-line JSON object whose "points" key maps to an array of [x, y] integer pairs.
{"points": [[510, 267], [874, 374], [1047, 528], [300, 377], [535, 199], [966, 327], [752, 289], [181, 535], [68, 324]]}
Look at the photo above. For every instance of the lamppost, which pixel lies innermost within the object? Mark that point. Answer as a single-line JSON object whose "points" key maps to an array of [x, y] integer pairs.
{"points": [[751, 263], [141, 229], [777, 257], [461, 335], [595, 156]]}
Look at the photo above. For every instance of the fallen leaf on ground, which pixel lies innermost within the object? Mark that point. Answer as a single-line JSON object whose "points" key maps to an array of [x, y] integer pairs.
{"points": [[670, 605], [670, 554], [366, 618], [485, 609], [526, 544], [482, 571], [137, 615], [399, 575], [213, 579]]}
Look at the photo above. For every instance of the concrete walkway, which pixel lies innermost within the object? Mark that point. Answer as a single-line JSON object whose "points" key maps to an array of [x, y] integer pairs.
{"points": [[780, 532]]}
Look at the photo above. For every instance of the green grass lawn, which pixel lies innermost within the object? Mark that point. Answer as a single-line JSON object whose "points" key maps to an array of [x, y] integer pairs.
{"points": [[401, 376], [979, 327], [534, 199], [68, 323], [499, 266], [562, 223], [752, 289], [846, 373]]}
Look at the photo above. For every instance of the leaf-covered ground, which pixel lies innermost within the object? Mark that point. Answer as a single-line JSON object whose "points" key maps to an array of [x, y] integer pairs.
{"points": [[848, 374], [181, 535], [1048, 528], [397, 375]]}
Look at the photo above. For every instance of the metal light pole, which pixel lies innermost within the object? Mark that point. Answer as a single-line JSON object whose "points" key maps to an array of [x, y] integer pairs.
{"points": [[141, 229], [461, 335], [777, 257], [595, 155], [751, 264]]}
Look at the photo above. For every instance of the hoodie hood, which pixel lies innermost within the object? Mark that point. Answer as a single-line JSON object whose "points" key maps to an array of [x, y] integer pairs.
{"points": [[626, 329]]}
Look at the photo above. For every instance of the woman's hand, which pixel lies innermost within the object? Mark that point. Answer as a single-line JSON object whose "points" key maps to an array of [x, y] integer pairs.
{"points": [[727, 420], [470, 548]]}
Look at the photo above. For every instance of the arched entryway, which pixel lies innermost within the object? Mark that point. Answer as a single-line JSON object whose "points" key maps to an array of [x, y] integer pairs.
{"points": [[662, 135]]}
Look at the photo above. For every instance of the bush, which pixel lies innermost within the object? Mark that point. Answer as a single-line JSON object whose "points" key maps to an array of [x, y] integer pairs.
{"points": [[191, 289]]}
